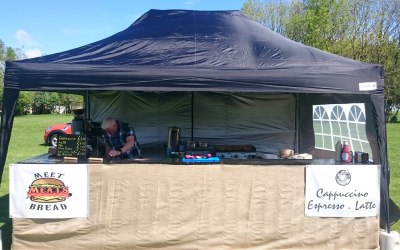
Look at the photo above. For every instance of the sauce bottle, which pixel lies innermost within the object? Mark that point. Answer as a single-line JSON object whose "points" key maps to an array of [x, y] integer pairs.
{"points": [[346, 157]]}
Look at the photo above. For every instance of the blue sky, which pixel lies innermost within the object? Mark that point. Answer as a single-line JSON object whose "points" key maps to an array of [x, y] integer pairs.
{"points": [[44, 27]]}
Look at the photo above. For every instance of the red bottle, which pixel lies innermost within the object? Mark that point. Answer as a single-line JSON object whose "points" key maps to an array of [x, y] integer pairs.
{"points": [[346, 157]]}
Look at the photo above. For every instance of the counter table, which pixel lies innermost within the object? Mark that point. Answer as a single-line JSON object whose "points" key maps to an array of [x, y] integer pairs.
{"points": [[244, 204]]}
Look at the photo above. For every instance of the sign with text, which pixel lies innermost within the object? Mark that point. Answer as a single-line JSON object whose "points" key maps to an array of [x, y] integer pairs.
{"points": [[48, 190], [71, 145], [342, 190]]}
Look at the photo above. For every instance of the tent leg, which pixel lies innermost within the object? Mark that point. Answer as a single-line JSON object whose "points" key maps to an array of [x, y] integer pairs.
{"points": [[192, 116], [297, 128], [87, 105], [10, 97]]}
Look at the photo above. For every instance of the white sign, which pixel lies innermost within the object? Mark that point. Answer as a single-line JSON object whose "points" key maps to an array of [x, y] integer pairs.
{"points": [[367, 86], [48, 190], [342, 190]]}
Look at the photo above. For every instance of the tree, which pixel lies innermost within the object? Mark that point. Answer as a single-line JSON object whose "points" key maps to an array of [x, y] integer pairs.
{"points": [[24, 103], [2, 62], [44, 102], [255, 9], [66, 100], [273, 14], [6, 54], [28, 101], [364, 30], [52, 102]]}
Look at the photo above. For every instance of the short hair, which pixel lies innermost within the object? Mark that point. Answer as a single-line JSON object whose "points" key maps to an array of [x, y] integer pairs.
{"points": [[108, 122]]}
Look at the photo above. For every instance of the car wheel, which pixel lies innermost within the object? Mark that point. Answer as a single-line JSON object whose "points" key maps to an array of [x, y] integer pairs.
{"points": [[53, 139]]}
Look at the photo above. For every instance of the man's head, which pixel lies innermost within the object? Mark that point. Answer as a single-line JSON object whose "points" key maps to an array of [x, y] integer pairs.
{"points": [[110, 125]]}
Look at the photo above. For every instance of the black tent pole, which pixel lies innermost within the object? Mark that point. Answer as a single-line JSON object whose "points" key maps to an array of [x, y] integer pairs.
{"points": [[192, 114], [10, 97], [87, 105], [296, 125]]}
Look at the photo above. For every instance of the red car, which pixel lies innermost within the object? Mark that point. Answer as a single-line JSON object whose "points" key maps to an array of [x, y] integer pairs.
{"points": [[50, 134]]}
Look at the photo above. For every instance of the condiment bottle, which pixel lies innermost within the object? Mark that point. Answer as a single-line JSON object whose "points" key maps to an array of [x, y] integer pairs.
{"points": [[338, 151], [346, 157]]}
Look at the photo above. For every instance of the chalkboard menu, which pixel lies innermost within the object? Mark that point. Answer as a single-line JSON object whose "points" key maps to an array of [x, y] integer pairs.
{"points": [[71, 145]]}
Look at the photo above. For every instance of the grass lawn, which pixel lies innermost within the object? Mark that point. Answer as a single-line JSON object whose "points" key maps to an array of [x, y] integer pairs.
{"points": [[27, 141], [393, 130]]}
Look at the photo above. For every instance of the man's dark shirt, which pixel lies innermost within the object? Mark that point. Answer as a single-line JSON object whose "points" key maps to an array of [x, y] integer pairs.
{"points": [[119, 140]]}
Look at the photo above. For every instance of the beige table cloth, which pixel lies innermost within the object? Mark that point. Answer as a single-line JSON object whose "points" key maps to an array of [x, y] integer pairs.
{"points": [[156, 206]]}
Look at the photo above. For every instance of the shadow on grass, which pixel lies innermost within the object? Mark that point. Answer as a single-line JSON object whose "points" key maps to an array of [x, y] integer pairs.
{"points": [[5, 222]]}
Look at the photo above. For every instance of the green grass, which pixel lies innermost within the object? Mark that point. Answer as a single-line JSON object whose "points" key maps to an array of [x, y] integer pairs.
{"points": [[27, 141], [393, 130]]}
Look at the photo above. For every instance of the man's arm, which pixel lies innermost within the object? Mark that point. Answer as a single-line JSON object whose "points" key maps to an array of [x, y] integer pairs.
{"points": [[130, 143]]}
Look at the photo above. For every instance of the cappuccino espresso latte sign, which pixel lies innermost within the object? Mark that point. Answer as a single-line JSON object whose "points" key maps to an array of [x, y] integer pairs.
{"points": [[342, 190]]}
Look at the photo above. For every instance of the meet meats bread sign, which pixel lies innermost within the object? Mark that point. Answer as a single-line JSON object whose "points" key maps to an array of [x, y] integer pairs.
{"points": [[48, 191], [342, 190]]}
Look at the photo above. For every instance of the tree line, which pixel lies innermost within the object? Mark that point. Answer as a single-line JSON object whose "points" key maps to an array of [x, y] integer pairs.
{"points": [[35, 102], [363, 30]]}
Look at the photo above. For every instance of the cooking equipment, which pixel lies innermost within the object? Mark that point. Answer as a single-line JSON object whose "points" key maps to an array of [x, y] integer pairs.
{"points": [[190, 144], [174, 139], [235, 151], [77, 125], [200, 151]]}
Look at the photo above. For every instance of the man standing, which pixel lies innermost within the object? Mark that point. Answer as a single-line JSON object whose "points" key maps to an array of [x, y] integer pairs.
{"points": [[120, 139]]}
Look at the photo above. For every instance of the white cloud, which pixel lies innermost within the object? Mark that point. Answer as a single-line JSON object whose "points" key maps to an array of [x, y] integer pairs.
{"points": [[29, 46], [191, 2], [30, 53], [24, 39]]}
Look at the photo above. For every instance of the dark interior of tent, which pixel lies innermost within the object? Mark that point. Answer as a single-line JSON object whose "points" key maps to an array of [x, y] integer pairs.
{"points": [[268, 121]]}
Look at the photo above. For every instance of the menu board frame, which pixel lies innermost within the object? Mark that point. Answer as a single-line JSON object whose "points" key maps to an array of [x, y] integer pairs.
{"points": [[71, 145]]}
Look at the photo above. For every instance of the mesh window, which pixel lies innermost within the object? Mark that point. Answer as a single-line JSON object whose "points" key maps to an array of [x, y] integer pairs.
{"points": [[334, 122]]}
